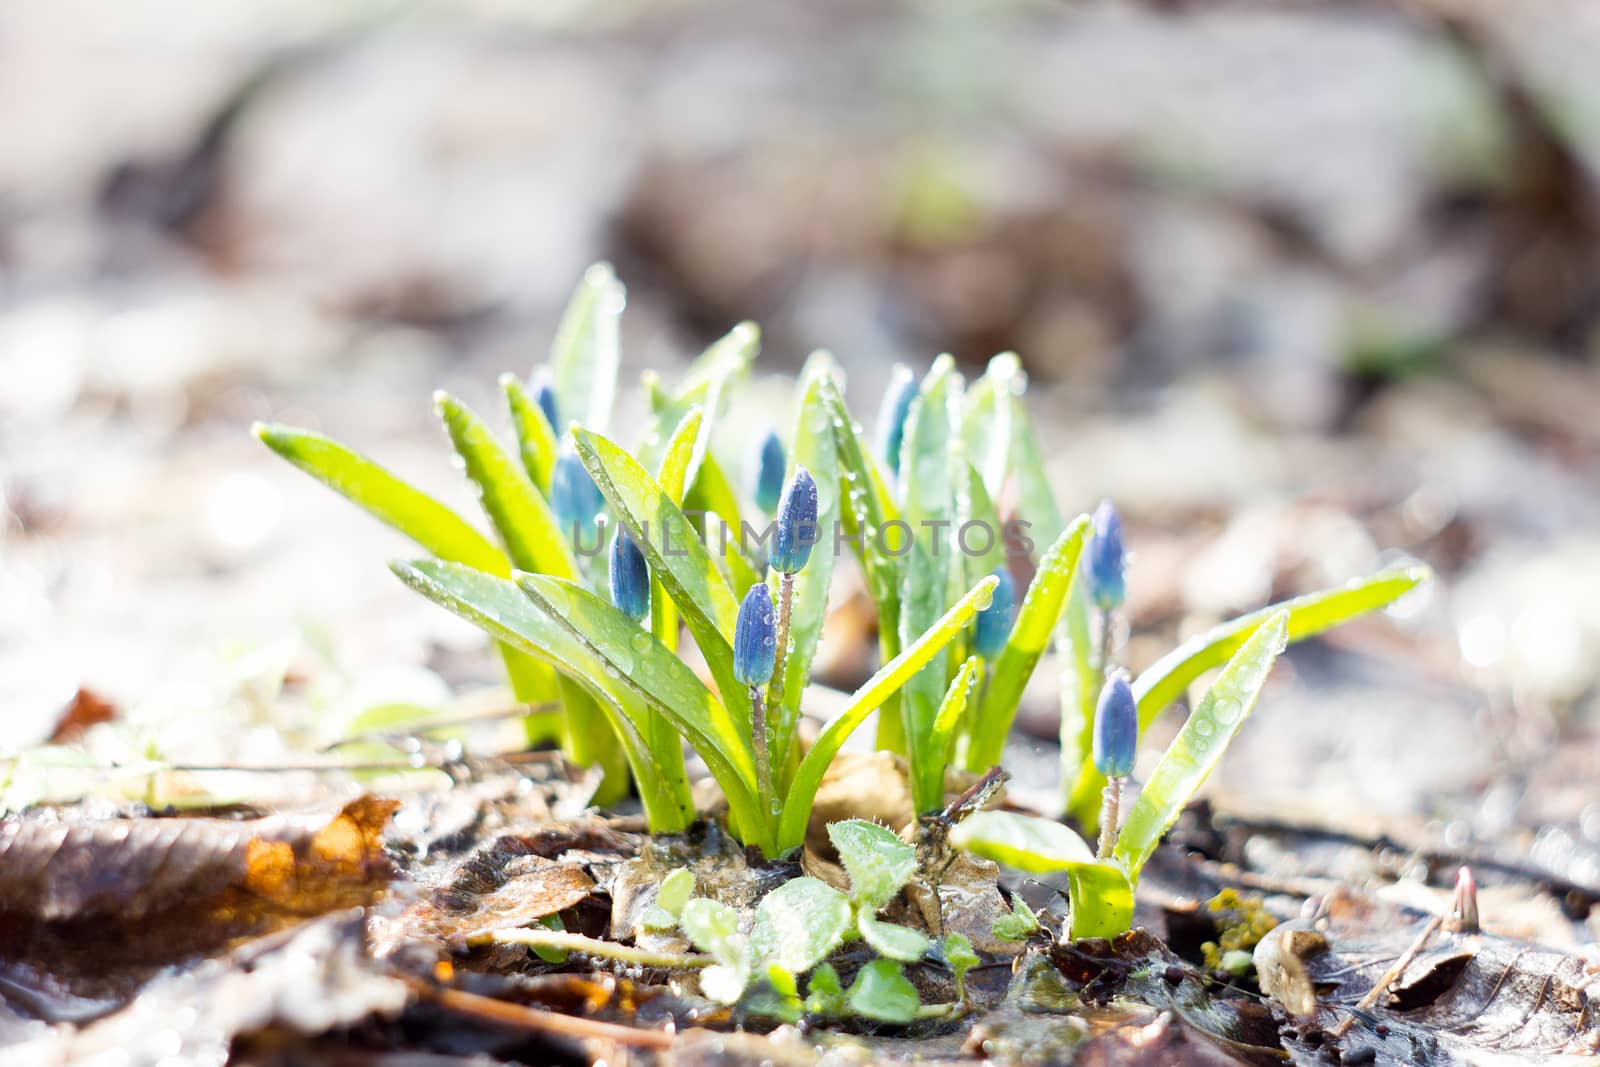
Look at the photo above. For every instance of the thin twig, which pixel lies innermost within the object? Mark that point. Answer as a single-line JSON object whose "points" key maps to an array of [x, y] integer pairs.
{"points": [[1390, 976], [549, 1022], [594, 946]]}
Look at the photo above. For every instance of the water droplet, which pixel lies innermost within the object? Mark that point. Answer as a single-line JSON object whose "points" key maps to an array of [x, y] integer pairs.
{"points": [[984, 599], [1204, 727], [641, 642], [1227, 711]]}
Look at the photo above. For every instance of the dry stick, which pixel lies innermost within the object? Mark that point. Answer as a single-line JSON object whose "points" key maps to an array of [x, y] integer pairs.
{"points": [[594, 946], [574, 1027], [785, 602], [1394, 972]]}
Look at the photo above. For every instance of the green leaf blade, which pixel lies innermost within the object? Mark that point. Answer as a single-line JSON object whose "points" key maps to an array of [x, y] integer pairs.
{"points": [[798, 924], [537, 443], [587, 350], [1200, 743], [877, 861]]}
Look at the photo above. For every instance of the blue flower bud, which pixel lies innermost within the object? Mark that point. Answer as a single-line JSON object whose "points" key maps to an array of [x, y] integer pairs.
{"points": [[769, 473], [630, 577], [892, 416], [755, 638], [1116, 728], [795, 524], [1104, 558], [993, 626], [544, 394], [574, 497]]}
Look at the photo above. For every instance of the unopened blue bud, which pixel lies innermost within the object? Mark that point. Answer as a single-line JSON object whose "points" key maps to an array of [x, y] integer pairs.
{"points": [[544, 394], [892, 416], [755, 638], [993, 626], [574, 497], [630, 577], [769, 473], [1116, 728], [1105, 558], [795, 523]]}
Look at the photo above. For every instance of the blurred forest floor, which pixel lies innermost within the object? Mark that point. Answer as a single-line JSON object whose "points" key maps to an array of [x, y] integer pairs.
{"points": [[1303, 286]]}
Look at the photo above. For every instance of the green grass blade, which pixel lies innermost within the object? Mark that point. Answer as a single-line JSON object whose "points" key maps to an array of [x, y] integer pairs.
{"points": [[676, 556], [712, 493], [587, 350], [1037, 619], [1164, 681], [943, 735], [921, 604], [1200, 743], [496, 606], [673, 474], [645, 666], [866, 505], [811, 447], [890, 677], [986, 419], [527, 527], [371, 487], [537, 443], [979, 528]]}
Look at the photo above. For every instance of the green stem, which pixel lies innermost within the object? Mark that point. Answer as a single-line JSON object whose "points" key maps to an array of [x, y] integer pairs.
{"points": [[593, 946], [785, 605], [1110, 804], [758, 732]]}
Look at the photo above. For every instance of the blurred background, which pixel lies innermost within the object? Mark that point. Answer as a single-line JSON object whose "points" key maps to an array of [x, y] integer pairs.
{"points": [[1305, 287]]}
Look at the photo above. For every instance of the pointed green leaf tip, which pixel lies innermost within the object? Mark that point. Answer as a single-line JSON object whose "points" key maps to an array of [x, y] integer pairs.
{"points": [[769, 473], [795, 524], [755, 638], [993, 625], [892, 416], [630, 577], [1116, 728]]}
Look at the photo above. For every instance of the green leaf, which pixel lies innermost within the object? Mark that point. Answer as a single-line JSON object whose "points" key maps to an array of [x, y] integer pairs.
{"points": [[986, 419], [1166, 680], [711, 492], [498, 607], [891, 940], [1019, 925], [1099, 891], [587, 350], [945, 724], [803, 790], [673, 474], [723, 983], [882, 992], [921, 602], [1025, 842], [527, 527], [878, 862], [714, 928], [676, 889], [536, 438], [961, 958], [1200, 744], [813, 448], [866, 506], [676, 556], [706, 385], [409, 510], [633, 659], [980, 520], [798, 924], [824, 992], [1036, 620]]}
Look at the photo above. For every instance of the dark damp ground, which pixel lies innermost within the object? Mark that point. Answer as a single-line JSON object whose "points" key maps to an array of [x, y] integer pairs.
{"points": [[1304, 287]]}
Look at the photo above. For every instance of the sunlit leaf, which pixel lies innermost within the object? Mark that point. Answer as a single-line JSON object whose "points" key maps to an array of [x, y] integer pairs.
{"points": [[1200, 743], [537, 443], [714, 928], [799, 923], [892, 940], [951, 712], [876, 860], [882, 992], [1037, 619], [586, 352]]}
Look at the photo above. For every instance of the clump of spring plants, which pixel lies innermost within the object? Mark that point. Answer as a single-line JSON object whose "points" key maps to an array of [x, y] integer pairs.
{"points": [[608, 554]]}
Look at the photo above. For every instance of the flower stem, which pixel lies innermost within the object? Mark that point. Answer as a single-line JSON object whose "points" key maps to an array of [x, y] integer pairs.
{"points": [[785, 603], [1107, 628], [758, 732], [1110, 805]]}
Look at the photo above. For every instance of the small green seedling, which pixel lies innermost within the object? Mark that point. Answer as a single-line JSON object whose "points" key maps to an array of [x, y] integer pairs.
{"points": [[676, 889], [1019, 925]]}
